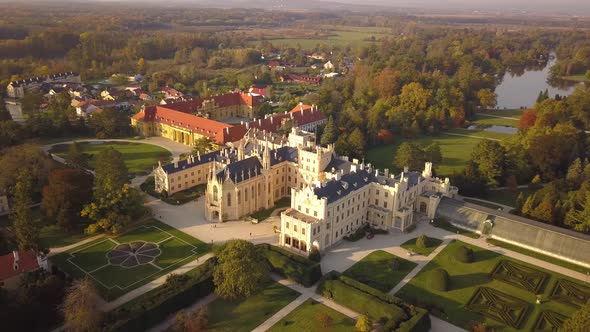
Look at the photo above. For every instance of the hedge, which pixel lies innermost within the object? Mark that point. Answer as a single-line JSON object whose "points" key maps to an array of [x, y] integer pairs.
{"points": [[155, 306], [439, 280], [357, 235], [292, 266], [372, 291], [418, 323], [360, 301], [464, 254]]}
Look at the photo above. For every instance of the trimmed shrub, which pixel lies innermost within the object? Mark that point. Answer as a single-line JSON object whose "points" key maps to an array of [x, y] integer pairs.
{"points": [[292, 266], [370, 290], [155, 306], [439, 280], [464, 254], [418, 323], [422, 241], [357, 235], [315, 255]]}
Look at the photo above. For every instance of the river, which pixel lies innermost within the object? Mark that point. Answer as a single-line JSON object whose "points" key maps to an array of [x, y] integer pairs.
{"points": [[518, 91]]}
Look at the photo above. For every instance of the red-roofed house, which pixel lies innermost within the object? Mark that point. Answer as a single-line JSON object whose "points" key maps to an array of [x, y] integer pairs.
{"points": [[26, 261]]}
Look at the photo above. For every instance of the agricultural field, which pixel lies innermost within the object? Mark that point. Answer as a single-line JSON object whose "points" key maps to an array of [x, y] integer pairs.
{"points": [[140, 158], [122, 263], [496, 289]]}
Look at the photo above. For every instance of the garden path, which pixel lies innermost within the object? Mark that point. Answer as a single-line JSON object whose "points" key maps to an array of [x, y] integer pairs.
{"points": [[55, 251], [165, 325], [472, 136]]}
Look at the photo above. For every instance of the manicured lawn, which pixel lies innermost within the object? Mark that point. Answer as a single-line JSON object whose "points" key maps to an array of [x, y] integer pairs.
{"points": [[247, 314], [174, 249], [537, 255], [456, 151], [507, 113], [306, 318], [507, 197], [375, 270], [439, 223], [139, 158], [478, 133], [410, 245], [493, 120], [284, 202], [467, 278], [486, 204]]}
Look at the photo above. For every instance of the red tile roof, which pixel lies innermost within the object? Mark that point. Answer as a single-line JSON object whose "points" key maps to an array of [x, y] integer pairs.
{"points": [[27, 262], [225, 100], [221, 132]]}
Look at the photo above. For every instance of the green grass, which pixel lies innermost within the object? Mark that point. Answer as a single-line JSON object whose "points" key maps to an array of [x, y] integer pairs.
{"points": [[261, 215], [247, 314], [478, 133], [439, 223], [139, 158], [306, 318], [482, 119], [410, 245], [537, 255], [177, 249], [486, 204], [375, 270], [507, 197], [508, 113], [465, 279]]}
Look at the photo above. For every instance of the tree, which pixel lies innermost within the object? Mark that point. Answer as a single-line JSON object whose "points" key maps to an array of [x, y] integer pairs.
{"points": [[194, 321], [580, 219], [433, 153], [330, 133], [527, 119], [110, 123], [75, 157], [114, 210], [203, 145], [574, 172], [80, 307], [141, 66], [511, 183], [65, 195], [111, 172], [410, 155], [487, 98], [489, 156], [422, 241], [364, 324], [357, 143], [119, 79], [241, 270], [325, 321], [386, 83], [11, 133], [24, 157], [579, 321], [31, 101], [519, 202], [26, 232]]}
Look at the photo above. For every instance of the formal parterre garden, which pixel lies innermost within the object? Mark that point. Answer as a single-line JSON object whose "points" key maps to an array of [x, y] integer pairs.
{"points": [[122, 263], [310, 316], [380, 270], [140, 158], [506, 294]]}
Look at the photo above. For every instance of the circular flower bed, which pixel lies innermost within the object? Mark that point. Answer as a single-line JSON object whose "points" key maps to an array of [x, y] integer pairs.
{"points": [[133, 254]]}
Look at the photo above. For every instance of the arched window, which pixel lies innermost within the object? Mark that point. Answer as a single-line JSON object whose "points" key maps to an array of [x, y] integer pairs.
{"points": [[228, 199], [215, 193], [245, 194]]}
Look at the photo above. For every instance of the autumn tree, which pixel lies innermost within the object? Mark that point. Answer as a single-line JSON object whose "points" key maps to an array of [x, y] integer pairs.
{"points": [[11, 133], [364, 324], [410, 155], [26, 231], [489, 156], [386, 83], [487, 98], [192, 321], [141, 66], [110, 123], [579, 321], [111, 172], [75, 157], [80, 307], [527, 119], [433, 153], [203, 145], [357, 143], [66, 193], [24, 157], [325, 321], [241, 271], [114, 210]]}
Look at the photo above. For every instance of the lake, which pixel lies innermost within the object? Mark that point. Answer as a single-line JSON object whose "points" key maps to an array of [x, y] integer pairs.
{"points": [[522, 91]]}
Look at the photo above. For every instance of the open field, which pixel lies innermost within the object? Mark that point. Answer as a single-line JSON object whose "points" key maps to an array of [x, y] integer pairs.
{"points": [[376, 271], [494, 278], [125, 262], [245, 315], [484, 120], [478, 133], [139, 157], [306, 318], [576, 78], [456, 151]]}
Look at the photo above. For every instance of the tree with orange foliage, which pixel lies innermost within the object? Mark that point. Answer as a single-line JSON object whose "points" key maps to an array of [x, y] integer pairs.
{"points": [[527, 119]]}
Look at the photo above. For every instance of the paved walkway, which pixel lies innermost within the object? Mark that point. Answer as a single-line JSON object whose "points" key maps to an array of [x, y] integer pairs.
{"points": [[472, 136], [497, 116], [153, 284], [55, 251]]}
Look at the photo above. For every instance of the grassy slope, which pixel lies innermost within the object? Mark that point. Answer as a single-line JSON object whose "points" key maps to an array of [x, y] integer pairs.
{"points": [[247, 314], [375, 271], [433, 243], [466, 278], [491, 121], [507, 197], [306, 318], [138, 157]]}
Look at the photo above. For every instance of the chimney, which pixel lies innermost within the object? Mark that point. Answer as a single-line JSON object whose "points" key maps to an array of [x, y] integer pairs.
{"points": [[176, 164], [387, 172], [376, 172]]}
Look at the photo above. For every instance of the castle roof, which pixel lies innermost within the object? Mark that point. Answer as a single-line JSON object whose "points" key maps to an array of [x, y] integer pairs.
{"points": [[189, 163], [241, 170]]}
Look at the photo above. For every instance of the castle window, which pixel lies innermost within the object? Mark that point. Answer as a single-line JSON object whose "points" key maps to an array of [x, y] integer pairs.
{"points": [[287, 225], [294, 228], [246, 195], [315, 213], [303, 231], [215, 193], [228, 199]]}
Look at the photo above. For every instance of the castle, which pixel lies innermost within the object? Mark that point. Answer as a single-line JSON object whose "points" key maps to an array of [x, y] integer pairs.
{"points": [[330, 195]]}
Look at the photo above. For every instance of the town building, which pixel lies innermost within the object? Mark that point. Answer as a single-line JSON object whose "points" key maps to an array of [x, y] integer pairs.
{"points": [[17, 89], [178, 122], [351, 195]]}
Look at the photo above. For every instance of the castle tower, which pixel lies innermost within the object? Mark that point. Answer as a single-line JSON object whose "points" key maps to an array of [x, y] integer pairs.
{"points": [[241, 150], [427, 173], [266, 156]]}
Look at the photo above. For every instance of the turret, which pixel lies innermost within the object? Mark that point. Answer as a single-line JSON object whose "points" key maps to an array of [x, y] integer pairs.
{"points": [[266, 157]]}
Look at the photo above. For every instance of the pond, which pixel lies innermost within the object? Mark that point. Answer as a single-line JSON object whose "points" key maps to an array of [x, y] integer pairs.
{"points": [[518, 91]]}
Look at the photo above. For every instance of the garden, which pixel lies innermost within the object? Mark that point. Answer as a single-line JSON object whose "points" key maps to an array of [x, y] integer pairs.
{"points": [[380, 270], [464, 284], [122, 263], [140, 158], [314, 316], [422, 245]]}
